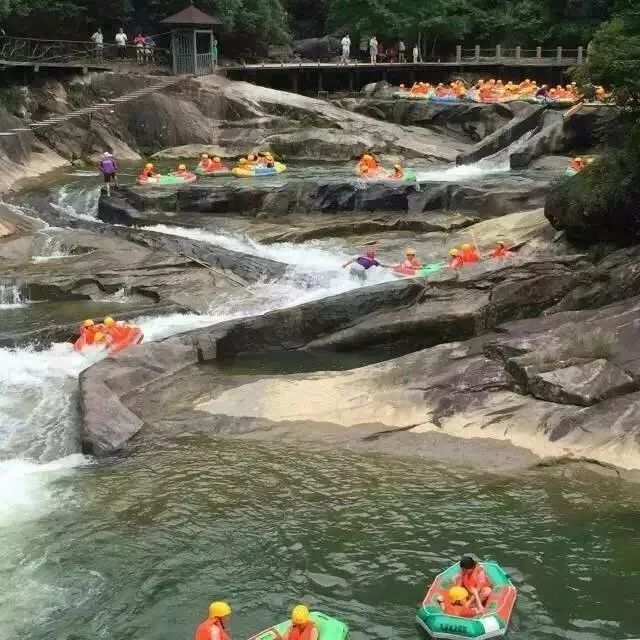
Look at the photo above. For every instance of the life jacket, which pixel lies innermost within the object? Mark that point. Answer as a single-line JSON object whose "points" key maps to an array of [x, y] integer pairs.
{"points": [[372, 164], [459, 610], [476, 579], [203, 632], [412, 263], [206, 164], [304, 633], [470, 255], [88, 334], [216, 166], [500, 252], [577, 166], [397, 175], [456, 262]]}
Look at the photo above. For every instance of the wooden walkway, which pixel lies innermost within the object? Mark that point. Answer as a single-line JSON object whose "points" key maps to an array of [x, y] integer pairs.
{"points": [[52, 121]]}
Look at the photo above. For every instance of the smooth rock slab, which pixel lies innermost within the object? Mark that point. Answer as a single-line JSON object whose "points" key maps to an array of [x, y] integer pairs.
{"points": [[583, 384]]}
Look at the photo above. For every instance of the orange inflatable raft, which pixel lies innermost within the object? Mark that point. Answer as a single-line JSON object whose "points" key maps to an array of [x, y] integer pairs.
{"points": [[118, 339]]}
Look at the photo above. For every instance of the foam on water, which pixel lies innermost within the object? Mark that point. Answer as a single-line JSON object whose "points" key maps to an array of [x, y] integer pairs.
{"points": [[78, 199]]}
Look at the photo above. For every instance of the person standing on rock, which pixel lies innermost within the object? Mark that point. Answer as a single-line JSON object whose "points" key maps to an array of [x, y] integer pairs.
{"points": [[98, 43], [416, 53], [109, 167], [121, 43], [346, 49], [373, 49]]}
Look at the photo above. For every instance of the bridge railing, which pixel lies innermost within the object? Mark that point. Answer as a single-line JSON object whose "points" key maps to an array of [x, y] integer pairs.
{"points": [[519, 55], [39, 51]]}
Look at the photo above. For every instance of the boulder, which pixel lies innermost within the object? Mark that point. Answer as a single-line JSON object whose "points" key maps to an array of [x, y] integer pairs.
{"points": [[582, 384], [323, 49], [528, 119]]}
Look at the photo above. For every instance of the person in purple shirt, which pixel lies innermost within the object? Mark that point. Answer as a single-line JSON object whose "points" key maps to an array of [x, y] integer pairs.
{"points": [[362, 263], [108, 167]]}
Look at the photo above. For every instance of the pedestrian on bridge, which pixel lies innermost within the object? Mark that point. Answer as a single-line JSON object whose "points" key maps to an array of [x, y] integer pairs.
{"points": [[346, 49], [402, 50], [121, 43], [98, 43], [416, 54], [373, 48]]}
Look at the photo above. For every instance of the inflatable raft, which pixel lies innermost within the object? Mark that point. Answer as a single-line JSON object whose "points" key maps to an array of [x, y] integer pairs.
{"points": [[225, 171], [422, 272], [259, 172], [167, 180], [445, 99], [328, 629], [126, 337], [407, 95], [491, 624]]}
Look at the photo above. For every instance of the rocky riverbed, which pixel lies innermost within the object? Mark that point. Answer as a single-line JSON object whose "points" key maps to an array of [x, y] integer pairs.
{"points": [[506, 365]]}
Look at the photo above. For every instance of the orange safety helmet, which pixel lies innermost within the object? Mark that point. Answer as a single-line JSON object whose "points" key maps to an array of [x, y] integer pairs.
{"points": [[216, 159]]}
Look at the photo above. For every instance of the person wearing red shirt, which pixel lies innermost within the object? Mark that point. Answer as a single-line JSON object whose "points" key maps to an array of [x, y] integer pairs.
{"points": [[474, 579]]}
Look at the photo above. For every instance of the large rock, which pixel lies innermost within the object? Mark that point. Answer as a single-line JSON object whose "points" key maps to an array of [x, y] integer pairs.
{"points": [[468, 120], [324, 49], [283, 196], [528, 119]]}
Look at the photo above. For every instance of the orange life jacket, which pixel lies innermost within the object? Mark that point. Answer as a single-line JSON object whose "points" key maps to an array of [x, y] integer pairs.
{"points": [[89, 334], [216, 166], [500, 252], [412, 263], [456, 262], [203, 632], [459, 610], [372, 164], [301, 633], [577, 166], [476, 579]]}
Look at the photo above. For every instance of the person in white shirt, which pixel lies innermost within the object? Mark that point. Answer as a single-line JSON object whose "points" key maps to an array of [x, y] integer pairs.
{"points": [[121, 43], [402, 48], [416, 53], [373, 49], [98, 43], [346, 49]]}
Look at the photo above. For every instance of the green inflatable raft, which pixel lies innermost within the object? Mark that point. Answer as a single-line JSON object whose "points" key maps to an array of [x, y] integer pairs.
{"points": [[490, 624], [328, 628]]}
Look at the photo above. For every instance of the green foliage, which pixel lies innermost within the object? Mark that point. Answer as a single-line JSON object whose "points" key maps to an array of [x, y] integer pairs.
{"points": [[525, 22]]}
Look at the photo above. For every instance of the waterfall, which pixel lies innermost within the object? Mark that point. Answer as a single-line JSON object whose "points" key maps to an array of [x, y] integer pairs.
{"points": [[11, 296]]}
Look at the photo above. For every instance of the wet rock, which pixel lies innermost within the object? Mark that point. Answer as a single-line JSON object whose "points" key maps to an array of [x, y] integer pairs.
{"points": [[469, 120], [528, 119]]}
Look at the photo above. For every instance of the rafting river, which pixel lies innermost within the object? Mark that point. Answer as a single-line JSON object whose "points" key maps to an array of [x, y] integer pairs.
{"points": [[136, 547]]}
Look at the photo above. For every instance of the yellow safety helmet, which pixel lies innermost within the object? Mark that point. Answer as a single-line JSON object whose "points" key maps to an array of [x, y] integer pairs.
{"points": [[454, 252], [216, 159], [578, 159], [108, 321], [219, 610], [149, 165], [458, 594], [466, 247], [366, 156], [205, 156], [402, 86], [300, 614], [397, 166], [182, 167], [409, 252], [88, 323], [242, 161]]}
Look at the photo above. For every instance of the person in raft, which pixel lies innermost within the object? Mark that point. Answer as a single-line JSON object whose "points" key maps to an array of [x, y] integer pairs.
{"points": [[214, 627], [474, 579], [302, 626], [181, 172], [456, 260], [91, 332], [109, 167], [410, 261], [147, 172], [469, 254], [363, 263], [205, 162], [501, 250], [397, 173], [577, 164], [456, 605]]}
